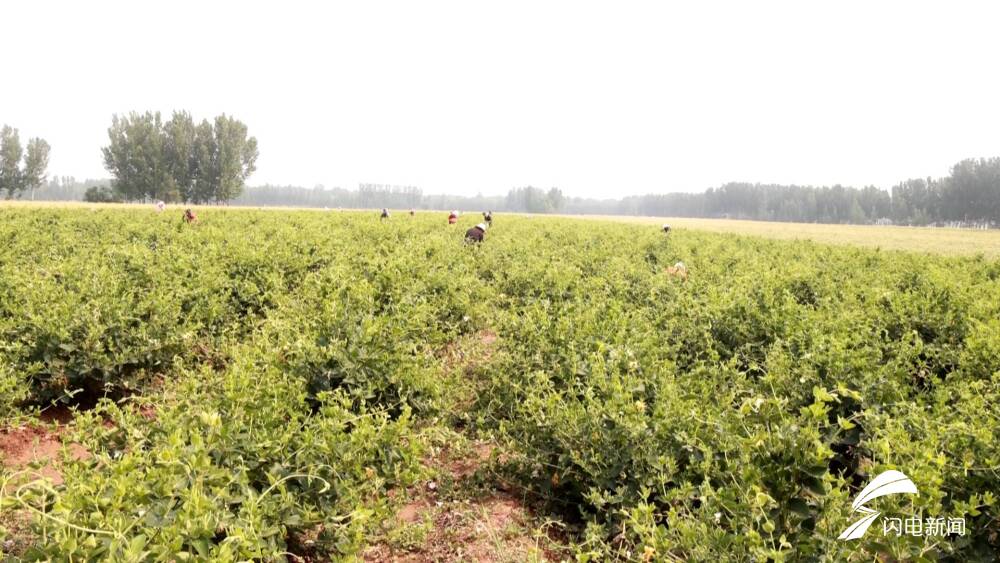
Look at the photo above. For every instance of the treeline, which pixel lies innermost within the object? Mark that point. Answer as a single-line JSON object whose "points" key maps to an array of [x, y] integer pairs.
{"points": [[768, 202], [21, 168], [66, 188], [176, 160], [209, 162], [366, 196], [527, 199], [970, 194]]}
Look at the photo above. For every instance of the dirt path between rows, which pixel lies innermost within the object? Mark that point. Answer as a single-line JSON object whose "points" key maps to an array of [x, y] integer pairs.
{"points": [[452, 517], [462, 513]]}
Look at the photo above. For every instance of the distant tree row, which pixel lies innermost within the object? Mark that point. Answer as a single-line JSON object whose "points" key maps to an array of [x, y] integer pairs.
{"points": [[370, 196], [209, 162], [366, 196], [21, 170], [970, 195], [534, 200], [767, 202], [177, 160], [69, 188], [380, 195]]}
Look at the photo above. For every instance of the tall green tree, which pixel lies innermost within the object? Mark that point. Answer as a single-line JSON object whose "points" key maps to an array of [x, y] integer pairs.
{"points": [[204, 170], [972, 192], [178, 147], [555, 199], [178, 160], [10, 159], [236, 157], [136, 157], [15, 177], [534, 200]]}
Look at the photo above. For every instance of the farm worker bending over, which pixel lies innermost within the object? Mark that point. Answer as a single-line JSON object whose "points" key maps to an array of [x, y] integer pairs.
{"points": [[476, 234], [453, 217], [666, 228], [160, 206], [412, 213], [488, 216], [385, 214], [189, 216], [678, 270]]}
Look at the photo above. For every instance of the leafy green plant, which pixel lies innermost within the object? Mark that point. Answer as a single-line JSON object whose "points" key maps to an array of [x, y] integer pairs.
{"points": [[265, 376]]}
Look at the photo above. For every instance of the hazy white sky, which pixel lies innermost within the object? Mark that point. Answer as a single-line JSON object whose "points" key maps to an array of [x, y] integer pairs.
{"points": [[599, 99]]}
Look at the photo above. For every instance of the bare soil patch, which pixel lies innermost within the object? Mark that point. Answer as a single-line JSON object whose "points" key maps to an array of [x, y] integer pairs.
{"points": [[448, 518], [466, 354], [33, 449], [39, 444]]}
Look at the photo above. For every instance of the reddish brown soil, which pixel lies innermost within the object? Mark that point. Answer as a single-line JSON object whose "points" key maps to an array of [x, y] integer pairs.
{"points": [[495, 527], [474, 525], [492, 529], [39, 443]]}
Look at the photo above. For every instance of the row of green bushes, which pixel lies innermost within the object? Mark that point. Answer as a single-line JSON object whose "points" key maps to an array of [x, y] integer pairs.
{"points": [[257, 376], [731, 416], [737, 414]]}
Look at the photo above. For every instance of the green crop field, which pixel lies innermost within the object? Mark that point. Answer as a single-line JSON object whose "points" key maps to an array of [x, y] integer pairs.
{"points": [[305, 385], [951, 242]]}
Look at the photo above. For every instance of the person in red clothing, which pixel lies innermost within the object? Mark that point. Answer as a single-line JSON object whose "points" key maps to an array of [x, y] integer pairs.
{"points": [[189, 216], [453, 217]]}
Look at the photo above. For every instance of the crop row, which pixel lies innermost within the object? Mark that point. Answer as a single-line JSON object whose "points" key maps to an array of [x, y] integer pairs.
{"points": [[290, 360]]}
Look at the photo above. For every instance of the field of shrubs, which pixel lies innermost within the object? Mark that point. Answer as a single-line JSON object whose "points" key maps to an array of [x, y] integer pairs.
{"points": [[261, 377]]}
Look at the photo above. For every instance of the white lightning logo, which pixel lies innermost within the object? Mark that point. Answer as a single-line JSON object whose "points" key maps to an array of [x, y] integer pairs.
{"points": [[888, 483]]}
